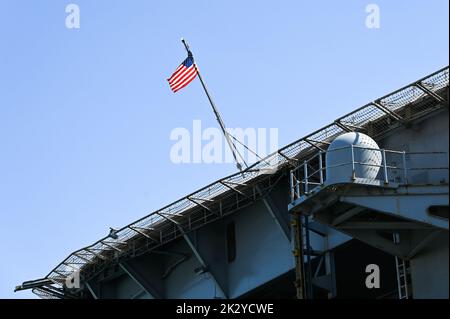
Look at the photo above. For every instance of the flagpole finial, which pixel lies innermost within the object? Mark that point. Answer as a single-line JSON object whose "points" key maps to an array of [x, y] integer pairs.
{"points": [[186, 46]]}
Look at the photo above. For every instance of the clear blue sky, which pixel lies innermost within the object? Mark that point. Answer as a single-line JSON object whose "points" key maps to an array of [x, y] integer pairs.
{"points": [[85, 115]]}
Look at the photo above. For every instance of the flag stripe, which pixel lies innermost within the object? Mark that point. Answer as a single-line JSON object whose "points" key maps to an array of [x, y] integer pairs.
{"points": [[183, 75], [185, 82], [177, 73], [182, 85]]}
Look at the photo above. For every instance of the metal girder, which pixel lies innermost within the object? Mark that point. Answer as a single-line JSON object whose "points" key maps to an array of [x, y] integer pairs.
{"points": [[84, 253], [421, 244], [412, 207], [33, 284], [91, 290], [168, 218], [383, 225], [289, 159], [324, 282], [96, 254], [381, 107], [140, 281], [73, 263], [435, 96], [277, 216], [347, 215], [234, 189], [313, 145], [172, 266], [235, 183], [412, 241], [111, 246], [330, 270], [188, 238], [373, 238], [318, 142], [61, 274], [120, 242], [177, 224], [139, 293], [141, 232], [81, 257], [317, 228], [354, 127], [201, 199], [69, 265], [343, 126], [57, 280], [200, 204]]}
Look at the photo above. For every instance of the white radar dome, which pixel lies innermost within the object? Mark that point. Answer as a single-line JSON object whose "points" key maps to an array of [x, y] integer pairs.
{"points": [[338, 160]]}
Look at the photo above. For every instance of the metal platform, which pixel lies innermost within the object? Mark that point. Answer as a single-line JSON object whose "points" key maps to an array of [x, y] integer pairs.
{"points": [[394, 202]]}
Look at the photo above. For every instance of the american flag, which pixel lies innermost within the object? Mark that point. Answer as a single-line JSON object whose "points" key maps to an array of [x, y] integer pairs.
{"points": [[183, 75]]}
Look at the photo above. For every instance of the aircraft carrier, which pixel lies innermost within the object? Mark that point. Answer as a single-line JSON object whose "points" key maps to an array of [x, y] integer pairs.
{"points": [[358, 208]]}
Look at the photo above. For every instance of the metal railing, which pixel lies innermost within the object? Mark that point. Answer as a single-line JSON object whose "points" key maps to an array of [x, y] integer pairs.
{"points": [[399, 167]]}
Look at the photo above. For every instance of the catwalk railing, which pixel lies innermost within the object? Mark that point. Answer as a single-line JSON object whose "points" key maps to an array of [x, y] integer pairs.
{"points": [[311, 175]]}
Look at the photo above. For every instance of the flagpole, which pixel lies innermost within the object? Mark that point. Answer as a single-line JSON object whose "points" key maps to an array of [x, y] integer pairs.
{"points": [[216, 112], [233, 147]]}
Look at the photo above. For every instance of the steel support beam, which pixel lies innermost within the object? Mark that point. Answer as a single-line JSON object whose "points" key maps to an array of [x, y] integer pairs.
{"points": [[96, 254], [343, 126], [234, 190], [188, 237], [372, 238], [313, 144], [393, 115], [188, 240], [200, 204], [33, 284], [139, 293], [435, 96], [426, 239], [413, 207], [140, 280], [111, 246], [347, 215], [94, 294], [289, 159], [277, 216], [235, 183], [383, 225], [318, 142], [141, 232], [82, 258]]}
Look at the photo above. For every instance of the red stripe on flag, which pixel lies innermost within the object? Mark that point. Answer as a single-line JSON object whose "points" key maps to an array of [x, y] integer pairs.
{"points": [[177, 73], [182, 77], [185, 75], [185, 82]]}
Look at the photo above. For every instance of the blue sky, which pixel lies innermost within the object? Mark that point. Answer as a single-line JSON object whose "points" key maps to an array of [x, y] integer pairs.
{"points": [[86, 114]]}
